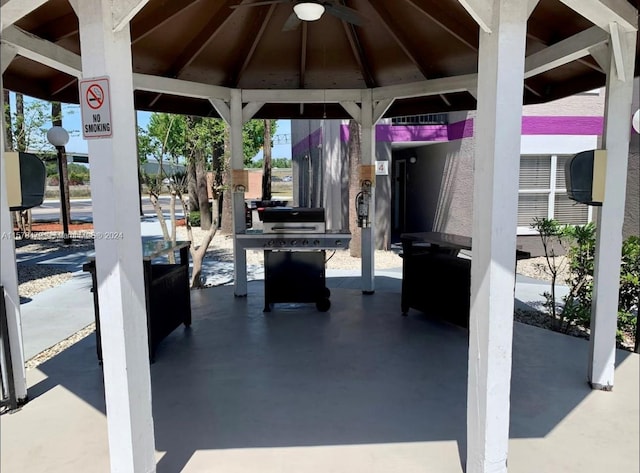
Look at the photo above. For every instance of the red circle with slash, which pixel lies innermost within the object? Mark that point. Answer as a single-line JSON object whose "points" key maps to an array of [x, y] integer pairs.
{"points": [[95, 96]]}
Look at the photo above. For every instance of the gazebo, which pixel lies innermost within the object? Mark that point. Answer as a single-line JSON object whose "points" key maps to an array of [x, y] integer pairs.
{"points": [[366, 60]]}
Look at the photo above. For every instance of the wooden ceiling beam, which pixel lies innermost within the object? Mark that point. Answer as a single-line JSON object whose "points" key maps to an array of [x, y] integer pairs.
{"points": [[13, 10], [260, 26], [157, 18], [60, 28], [398, 34], [42, 51], [61, 83], [604, 12], [448, 24], [189, 53], [303, 53], [359, 54], [201, 39]]}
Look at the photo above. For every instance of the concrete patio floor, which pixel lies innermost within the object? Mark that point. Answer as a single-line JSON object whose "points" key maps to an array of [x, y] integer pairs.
{"points": [[356, 389]]}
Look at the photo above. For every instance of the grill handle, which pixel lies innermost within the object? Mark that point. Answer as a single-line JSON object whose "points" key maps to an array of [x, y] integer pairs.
{"points": [[292, 227]]}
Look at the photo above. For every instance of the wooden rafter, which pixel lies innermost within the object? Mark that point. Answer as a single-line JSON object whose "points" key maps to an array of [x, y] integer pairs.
{"points": [[260, 25], [60, 28], [61, 83], [582, 61], [358, 54], [158, 18], [303, 53], [398, 34], [448, 24], [191, 51]]}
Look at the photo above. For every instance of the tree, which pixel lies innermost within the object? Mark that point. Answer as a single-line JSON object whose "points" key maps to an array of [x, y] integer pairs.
{"points": [[266, 172], [189, 138], [8, 138], [197, 136], [355, 159]]}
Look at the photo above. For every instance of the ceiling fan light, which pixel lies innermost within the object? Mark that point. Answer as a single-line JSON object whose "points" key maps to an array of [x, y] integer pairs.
{"points": [[308, 11]]}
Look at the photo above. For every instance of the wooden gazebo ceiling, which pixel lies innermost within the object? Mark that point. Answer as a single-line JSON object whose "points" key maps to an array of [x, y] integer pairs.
{"points": [[399, 42]]}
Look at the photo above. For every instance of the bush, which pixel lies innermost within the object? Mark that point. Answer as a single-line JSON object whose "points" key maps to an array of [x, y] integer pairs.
{"points": [[581, 256], [194, 218], [629, 296]]}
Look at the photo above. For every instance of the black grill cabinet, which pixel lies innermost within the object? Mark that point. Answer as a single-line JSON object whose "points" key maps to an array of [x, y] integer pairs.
{"points": [[295, 276]]}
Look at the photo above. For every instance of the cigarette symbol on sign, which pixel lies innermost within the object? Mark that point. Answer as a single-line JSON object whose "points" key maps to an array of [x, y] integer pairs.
{"points": [[95, 96]]}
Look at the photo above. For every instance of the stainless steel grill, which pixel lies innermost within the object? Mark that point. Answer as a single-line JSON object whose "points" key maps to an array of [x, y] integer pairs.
{"points": [[294, 240]]}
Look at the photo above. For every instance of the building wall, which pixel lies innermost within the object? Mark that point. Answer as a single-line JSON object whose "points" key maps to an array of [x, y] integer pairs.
{"points": [[632, 207], [324, 144], [439, 185]]}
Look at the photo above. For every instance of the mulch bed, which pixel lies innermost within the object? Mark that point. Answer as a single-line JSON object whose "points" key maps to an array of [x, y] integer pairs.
{"points": [[73, 226], [57, 227]]}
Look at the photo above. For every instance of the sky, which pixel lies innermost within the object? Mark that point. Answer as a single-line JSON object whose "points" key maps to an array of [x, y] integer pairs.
{"points": [[71, 121]]}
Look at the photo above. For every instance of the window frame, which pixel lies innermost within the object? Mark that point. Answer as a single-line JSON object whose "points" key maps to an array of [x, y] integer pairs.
{"points": [[551, 191]]}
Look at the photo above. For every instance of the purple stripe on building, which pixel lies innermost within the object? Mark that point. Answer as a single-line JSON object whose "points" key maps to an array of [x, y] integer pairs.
{"points": [[408, 133], [562, 125], [304, 145], [569, 125], [460, 130], [395, 133]]}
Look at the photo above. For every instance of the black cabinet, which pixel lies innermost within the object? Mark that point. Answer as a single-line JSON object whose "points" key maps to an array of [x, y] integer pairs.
{"points": [[167, 293], [437, 283], [295, 276], [435, 279]]}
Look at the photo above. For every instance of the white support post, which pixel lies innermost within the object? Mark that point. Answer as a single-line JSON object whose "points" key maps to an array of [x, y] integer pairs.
{"points": [[114, 191], [12, 10], [367, 235], [8, 268], [604, 314], [497, 134], [237, 164]]}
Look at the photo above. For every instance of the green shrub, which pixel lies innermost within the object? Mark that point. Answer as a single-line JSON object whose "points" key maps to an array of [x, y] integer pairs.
{"points": [[629, 295], [194, 218], [581, 242]]}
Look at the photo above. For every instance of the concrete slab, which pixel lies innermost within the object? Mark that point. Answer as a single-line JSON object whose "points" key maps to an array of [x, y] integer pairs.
{"points": [[358, 388]]}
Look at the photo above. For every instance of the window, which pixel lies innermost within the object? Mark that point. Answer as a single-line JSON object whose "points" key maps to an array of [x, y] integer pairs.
{"points": [[543, 193]]}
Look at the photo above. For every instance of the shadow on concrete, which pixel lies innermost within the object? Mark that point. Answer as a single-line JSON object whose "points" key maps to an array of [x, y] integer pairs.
{"points": [[357, 374]]}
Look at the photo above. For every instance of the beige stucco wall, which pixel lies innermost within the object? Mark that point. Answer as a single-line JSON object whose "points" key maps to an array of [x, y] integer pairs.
{"points": [[587, 104]]}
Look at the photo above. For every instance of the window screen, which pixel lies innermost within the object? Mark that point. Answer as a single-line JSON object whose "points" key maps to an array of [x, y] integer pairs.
{"points": [[569, 212], [535, 172], [531, 206]]}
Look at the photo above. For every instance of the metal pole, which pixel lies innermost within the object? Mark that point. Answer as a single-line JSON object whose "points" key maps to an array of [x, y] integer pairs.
{"points": [[63, 200]]}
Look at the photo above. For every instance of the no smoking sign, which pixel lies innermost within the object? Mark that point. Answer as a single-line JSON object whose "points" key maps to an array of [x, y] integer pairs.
{"points": [[96, 111]]}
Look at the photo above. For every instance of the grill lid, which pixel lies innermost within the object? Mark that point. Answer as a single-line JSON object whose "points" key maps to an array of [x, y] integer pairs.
{"points": [[293, 214]]}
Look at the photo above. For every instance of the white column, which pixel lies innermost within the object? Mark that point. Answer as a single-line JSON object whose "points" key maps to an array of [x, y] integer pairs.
{"points": [[114, 192], [367, 235], [237, 163], [604, 315], [8, 269], [496, 166]]}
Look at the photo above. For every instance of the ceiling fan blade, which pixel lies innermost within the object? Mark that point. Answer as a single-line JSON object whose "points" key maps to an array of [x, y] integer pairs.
{"points": [[292, 23], [344, 13], [257, 4]]}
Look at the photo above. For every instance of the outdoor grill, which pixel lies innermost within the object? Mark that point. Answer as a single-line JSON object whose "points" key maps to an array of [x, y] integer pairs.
{"points": [[294, 241], [288, 220]]}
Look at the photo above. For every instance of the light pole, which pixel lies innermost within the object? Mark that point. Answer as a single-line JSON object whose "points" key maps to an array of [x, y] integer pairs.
{"points": [[59, 137]]}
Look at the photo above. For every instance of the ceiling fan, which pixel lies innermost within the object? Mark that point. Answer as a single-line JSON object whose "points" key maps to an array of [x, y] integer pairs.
{"points": [[311, 10]]}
